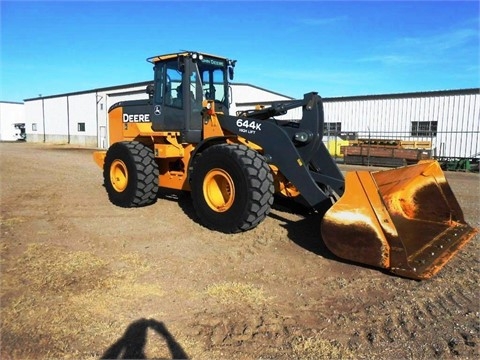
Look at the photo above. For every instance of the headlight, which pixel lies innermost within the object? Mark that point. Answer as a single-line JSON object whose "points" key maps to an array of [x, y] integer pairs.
{"points": [[303, 137]]}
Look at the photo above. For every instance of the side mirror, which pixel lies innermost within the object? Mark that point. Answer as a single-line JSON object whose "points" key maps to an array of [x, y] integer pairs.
{"points": [[230, 73], [150, 90]]}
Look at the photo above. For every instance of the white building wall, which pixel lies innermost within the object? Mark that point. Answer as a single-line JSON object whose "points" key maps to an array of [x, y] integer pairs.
{"points": [[56, 126], [113, 98], [82, 119], [34, 120], [459, 126], [11, 114], [457, 117]]}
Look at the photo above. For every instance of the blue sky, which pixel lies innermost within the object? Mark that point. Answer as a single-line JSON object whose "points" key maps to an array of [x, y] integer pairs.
{"points": [[292, 47]]}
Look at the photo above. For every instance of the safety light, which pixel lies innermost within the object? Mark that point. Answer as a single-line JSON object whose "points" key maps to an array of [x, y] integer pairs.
{"points": [[197, 56]]}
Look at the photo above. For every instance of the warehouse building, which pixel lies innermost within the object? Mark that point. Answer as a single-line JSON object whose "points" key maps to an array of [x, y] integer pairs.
{"points": [[446, 123], [76, 118]]}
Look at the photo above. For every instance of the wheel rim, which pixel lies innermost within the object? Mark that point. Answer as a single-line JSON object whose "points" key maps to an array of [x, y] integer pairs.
{"points": [[119, 175], [219, 190]]}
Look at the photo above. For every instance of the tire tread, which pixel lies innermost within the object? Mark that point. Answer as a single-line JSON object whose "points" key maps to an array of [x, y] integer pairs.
{"points": [[260, 186], [145, 177]]}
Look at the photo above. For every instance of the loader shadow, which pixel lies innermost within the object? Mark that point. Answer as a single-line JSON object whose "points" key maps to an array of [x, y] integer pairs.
{"points": [[132, 344], [306, 232], [182, 198]]}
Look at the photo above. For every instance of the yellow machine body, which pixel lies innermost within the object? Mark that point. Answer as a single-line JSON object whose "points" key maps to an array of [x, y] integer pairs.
{"points": [[172, 157]]}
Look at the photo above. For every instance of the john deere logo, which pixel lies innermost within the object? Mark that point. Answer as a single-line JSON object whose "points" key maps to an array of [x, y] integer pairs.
{"points": [[136, 118]]}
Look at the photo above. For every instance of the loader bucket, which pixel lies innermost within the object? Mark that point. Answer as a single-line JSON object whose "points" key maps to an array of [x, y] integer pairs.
{"points": [[406, 220]]}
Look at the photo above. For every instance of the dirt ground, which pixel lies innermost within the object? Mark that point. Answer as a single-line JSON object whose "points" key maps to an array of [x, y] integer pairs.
{"points": [[83, 279]]}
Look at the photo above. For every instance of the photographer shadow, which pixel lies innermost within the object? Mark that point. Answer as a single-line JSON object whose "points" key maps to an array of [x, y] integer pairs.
{"points": [[132, 344]]}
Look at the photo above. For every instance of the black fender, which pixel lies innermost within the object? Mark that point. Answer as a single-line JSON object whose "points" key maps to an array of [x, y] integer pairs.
{"points": [[201, 146]]}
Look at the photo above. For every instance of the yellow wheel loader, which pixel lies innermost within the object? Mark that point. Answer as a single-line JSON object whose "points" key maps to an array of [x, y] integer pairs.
{"points": [[406, 220]]}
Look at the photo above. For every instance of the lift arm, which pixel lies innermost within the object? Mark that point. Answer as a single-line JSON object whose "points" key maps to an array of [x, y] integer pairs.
{"points": [[296, 148]]}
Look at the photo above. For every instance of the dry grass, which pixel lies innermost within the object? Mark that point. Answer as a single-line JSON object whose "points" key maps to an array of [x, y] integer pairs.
{"points": [[235, 292], [316, 348], [48, 269], [12, 221], [64, 301]]}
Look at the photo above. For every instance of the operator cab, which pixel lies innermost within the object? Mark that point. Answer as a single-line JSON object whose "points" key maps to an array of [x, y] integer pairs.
{"points": [[181, 82]]}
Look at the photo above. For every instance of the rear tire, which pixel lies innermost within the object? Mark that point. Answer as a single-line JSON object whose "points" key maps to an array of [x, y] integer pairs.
{"points": [[232, 188], [130, 174]]}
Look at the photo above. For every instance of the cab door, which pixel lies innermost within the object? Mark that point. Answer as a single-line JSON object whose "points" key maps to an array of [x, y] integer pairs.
{"points": [[167, 110]]}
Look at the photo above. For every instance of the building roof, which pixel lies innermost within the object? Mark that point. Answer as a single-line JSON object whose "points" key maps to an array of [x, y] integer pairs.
{"points": [[137, 84], [417, 94], [11, 102], [469, 91], [103, 89]]}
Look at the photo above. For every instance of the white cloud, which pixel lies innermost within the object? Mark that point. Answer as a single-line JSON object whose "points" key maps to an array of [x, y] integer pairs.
{"points": [[436, 48], [440, 42], [393, 59]]}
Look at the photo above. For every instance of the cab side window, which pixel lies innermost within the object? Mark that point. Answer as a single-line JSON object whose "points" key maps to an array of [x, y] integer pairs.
{"points": [[173, 88], [213, 84], [159, 82]]}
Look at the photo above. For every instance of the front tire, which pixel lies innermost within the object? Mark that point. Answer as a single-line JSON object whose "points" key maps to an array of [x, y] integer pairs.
{"points": [[232, 188], [130, 174]]}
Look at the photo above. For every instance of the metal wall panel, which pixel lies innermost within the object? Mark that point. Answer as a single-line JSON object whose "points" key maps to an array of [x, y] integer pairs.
{"points": [[55, 111], [34, 120], [82, 110], [457, 117]]}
